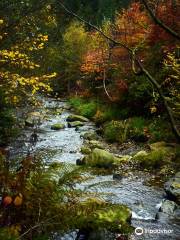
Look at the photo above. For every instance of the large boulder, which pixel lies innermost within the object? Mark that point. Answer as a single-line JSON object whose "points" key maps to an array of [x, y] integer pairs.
{"points": [[172, 188], [168, 207], [33, 118], [100, 158], [73, 118], [29, 122], [57, 126], [75, 124]]}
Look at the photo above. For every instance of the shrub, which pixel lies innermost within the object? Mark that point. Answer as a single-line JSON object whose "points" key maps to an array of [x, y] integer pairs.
{"points": [[160, 130], [76, 102], [88, 109], [137, 126], [85, 108], [117, 131], [108, 113]]}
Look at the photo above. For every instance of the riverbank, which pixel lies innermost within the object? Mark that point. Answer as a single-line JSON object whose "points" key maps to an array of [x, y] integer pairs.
{"points": [[123, 185]]}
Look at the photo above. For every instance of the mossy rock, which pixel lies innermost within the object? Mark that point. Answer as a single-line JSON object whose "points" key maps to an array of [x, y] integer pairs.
{"points": [[168, 207], [100, 158], [172, 188], [58, 111], [90, 136], [140, 154], [29, 122], [115, 217], [96, 144], [67, 107], [157, 145], [114, 214], [73, 118], [57, 126], [33, 118], [155, 158], [123, 158], [75, 124], [85, 150]]}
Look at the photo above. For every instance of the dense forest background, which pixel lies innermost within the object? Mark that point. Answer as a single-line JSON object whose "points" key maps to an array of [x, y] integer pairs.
{"points": [[84, 62], [117, 63]]}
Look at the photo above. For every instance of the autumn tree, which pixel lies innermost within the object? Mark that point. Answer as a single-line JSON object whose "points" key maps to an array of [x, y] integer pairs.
{"points": [[20, 75], [137, 67], [75, 44]]}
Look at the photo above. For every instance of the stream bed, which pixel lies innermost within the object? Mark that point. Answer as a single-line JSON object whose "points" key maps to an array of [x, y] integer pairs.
{"points": [[64, 146]]}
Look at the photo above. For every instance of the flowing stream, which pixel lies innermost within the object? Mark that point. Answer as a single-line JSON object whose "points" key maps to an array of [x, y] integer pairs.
{"points": [[64, 146]]}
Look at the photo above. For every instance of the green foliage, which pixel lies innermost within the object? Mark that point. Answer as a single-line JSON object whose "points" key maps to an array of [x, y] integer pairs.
{"points": [[74, 45], [140, 95], [46, 199], [137, 126], [160, 130], [106, 112], [6, 234], [138, 123], [7, 121], [76, 102], [120, 131], [99, 111], [96, 11], [89, 109], [116, 131], [86, 109]]}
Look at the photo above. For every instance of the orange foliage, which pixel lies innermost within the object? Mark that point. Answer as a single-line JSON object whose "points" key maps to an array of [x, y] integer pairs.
{"points": [[7, 201], [96, 58], [131, 26], [168, 12]]}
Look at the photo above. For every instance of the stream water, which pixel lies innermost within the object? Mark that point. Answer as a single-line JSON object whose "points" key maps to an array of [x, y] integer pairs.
{"points": [[65, 145]]}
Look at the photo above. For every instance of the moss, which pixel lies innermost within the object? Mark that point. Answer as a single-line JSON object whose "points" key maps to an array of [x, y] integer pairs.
{"points": [[73, 118], [91, 135], [57, 126], [100, 158], [113, 217], [156, 158], [75, 124], [85, 150]]}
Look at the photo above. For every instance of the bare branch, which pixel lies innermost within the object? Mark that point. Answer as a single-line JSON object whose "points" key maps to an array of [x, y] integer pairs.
{"points": [[104, 85]]}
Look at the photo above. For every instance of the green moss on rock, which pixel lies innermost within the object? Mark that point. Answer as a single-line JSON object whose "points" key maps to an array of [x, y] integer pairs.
{"points": [[113, 217], [156, 158], [100, 158], [57, 126], [75, 124], [73, 118], [85, 150]]}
